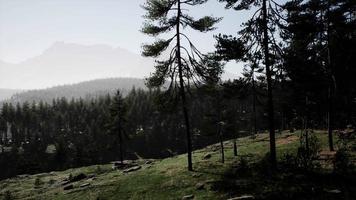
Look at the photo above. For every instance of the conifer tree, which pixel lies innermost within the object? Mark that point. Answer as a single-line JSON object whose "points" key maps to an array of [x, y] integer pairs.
{"points": [[118, 120], [185, 65], [257, 43]]}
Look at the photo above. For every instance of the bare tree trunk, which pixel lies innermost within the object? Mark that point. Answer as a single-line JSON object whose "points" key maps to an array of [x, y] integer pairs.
{"points": [[121, 147], [330, 121], [182, 93], [221, 144], [235, 148], [272, 136], [254, 107], [331, 86], [306, 133]]}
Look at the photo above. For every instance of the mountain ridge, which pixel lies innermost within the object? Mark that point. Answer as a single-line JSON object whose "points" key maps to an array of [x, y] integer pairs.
{"points": [[85, 89], [69, 63]]}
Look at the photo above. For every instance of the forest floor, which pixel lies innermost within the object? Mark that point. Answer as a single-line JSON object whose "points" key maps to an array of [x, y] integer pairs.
{"points": [[245, 176]]}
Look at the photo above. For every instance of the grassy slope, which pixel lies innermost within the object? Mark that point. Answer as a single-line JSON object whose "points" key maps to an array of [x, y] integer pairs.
{"points": [[164, 179]]}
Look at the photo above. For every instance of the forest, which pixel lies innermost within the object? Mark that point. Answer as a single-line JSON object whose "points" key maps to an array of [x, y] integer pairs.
{"points": [[299, 76]]}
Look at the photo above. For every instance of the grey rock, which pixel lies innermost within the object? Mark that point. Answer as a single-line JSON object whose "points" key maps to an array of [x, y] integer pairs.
{"points": [[200, 186], [78, 177], [68, 187], [335, 191], [132, 169], [244, 197], [188, 197], [65, 182], [207, 156], [85, 185], [197, 175]]}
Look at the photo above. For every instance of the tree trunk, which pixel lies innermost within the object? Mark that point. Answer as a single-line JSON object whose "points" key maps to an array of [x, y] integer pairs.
{"points": [[221, 144], [330, 121], [331, 86], [235, 148], [269, 89], [306, 133], [254, 107], [121, 148], [182, 93]]}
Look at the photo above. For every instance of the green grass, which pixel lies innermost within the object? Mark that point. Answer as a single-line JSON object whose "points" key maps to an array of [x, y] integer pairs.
{"points": [[164, 179]]}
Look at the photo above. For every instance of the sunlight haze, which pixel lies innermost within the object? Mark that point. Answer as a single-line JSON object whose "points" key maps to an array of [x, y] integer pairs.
{"points": [[29, 28]]}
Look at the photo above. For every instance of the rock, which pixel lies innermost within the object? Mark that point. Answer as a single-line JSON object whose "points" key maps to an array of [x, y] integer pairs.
{"points": [[188, 197], [84, 185], [121, 165], [336, 191], [132, 169], [65, 182], [91, 176], [207, 156], [23, 176], [78, 177], [68, 187], [211, 181], [196, 175], [244, 197], [199, 186]]}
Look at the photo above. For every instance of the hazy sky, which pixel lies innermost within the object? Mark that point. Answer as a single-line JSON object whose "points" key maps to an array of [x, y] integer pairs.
{"points": [[28, 27]]}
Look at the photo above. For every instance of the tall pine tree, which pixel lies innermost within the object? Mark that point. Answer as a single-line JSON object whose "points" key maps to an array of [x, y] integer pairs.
{"points": [[185, 65]]}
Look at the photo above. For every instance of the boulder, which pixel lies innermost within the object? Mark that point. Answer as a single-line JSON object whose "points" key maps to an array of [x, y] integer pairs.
{"points": [[68, 187], [85, 185], [65, 182], [91, 176], [121, 165], [207, 156], [78, 177], [335, 191], [190, 196], [199, 186], [132, 169], [196, 175], [244, 197]]}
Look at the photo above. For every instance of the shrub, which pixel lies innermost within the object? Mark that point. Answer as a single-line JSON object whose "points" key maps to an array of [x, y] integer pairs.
{"points": [[308, 152], [38, 182], [342, 162], [288, 161]]}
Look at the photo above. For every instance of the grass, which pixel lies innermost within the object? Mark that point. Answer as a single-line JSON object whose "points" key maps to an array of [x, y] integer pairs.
{"points": [[164, 179]]}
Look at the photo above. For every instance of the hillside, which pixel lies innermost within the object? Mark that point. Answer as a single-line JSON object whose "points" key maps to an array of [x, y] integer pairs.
{"points": [[168, 178], [84, 89]]}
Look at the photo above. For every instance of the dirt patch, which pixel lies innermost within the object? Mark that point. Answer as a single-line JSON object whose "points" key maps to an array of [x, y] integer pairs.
{"points": [[287, 140]]}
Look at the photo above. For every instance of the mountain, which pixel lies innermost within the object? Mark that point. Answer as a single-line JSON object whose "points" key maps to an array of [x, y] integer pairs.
{"points": [[65, 63], [85, 89]]}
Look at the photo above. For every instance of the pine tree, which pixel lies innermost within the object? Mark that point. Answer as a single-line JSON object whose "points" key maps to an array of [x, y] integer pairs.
{"points": [[185, 65], [118, 120], [257, 43]]}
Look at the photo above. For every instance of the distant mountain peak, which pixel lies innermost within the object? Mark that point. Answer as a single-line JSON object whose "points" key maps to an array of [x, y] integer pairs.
{"points": [[64, 63]]}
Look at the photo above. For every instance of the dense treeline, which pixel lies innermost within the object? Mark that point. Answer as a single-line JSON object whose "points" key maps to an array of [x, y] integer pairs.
{"points": [[69, 133], [85, 90]]}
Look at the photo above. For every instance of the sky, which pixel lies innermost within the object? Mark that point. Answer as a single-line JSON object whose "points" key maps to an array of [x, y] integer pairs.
{"points": [[29, 27]]}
